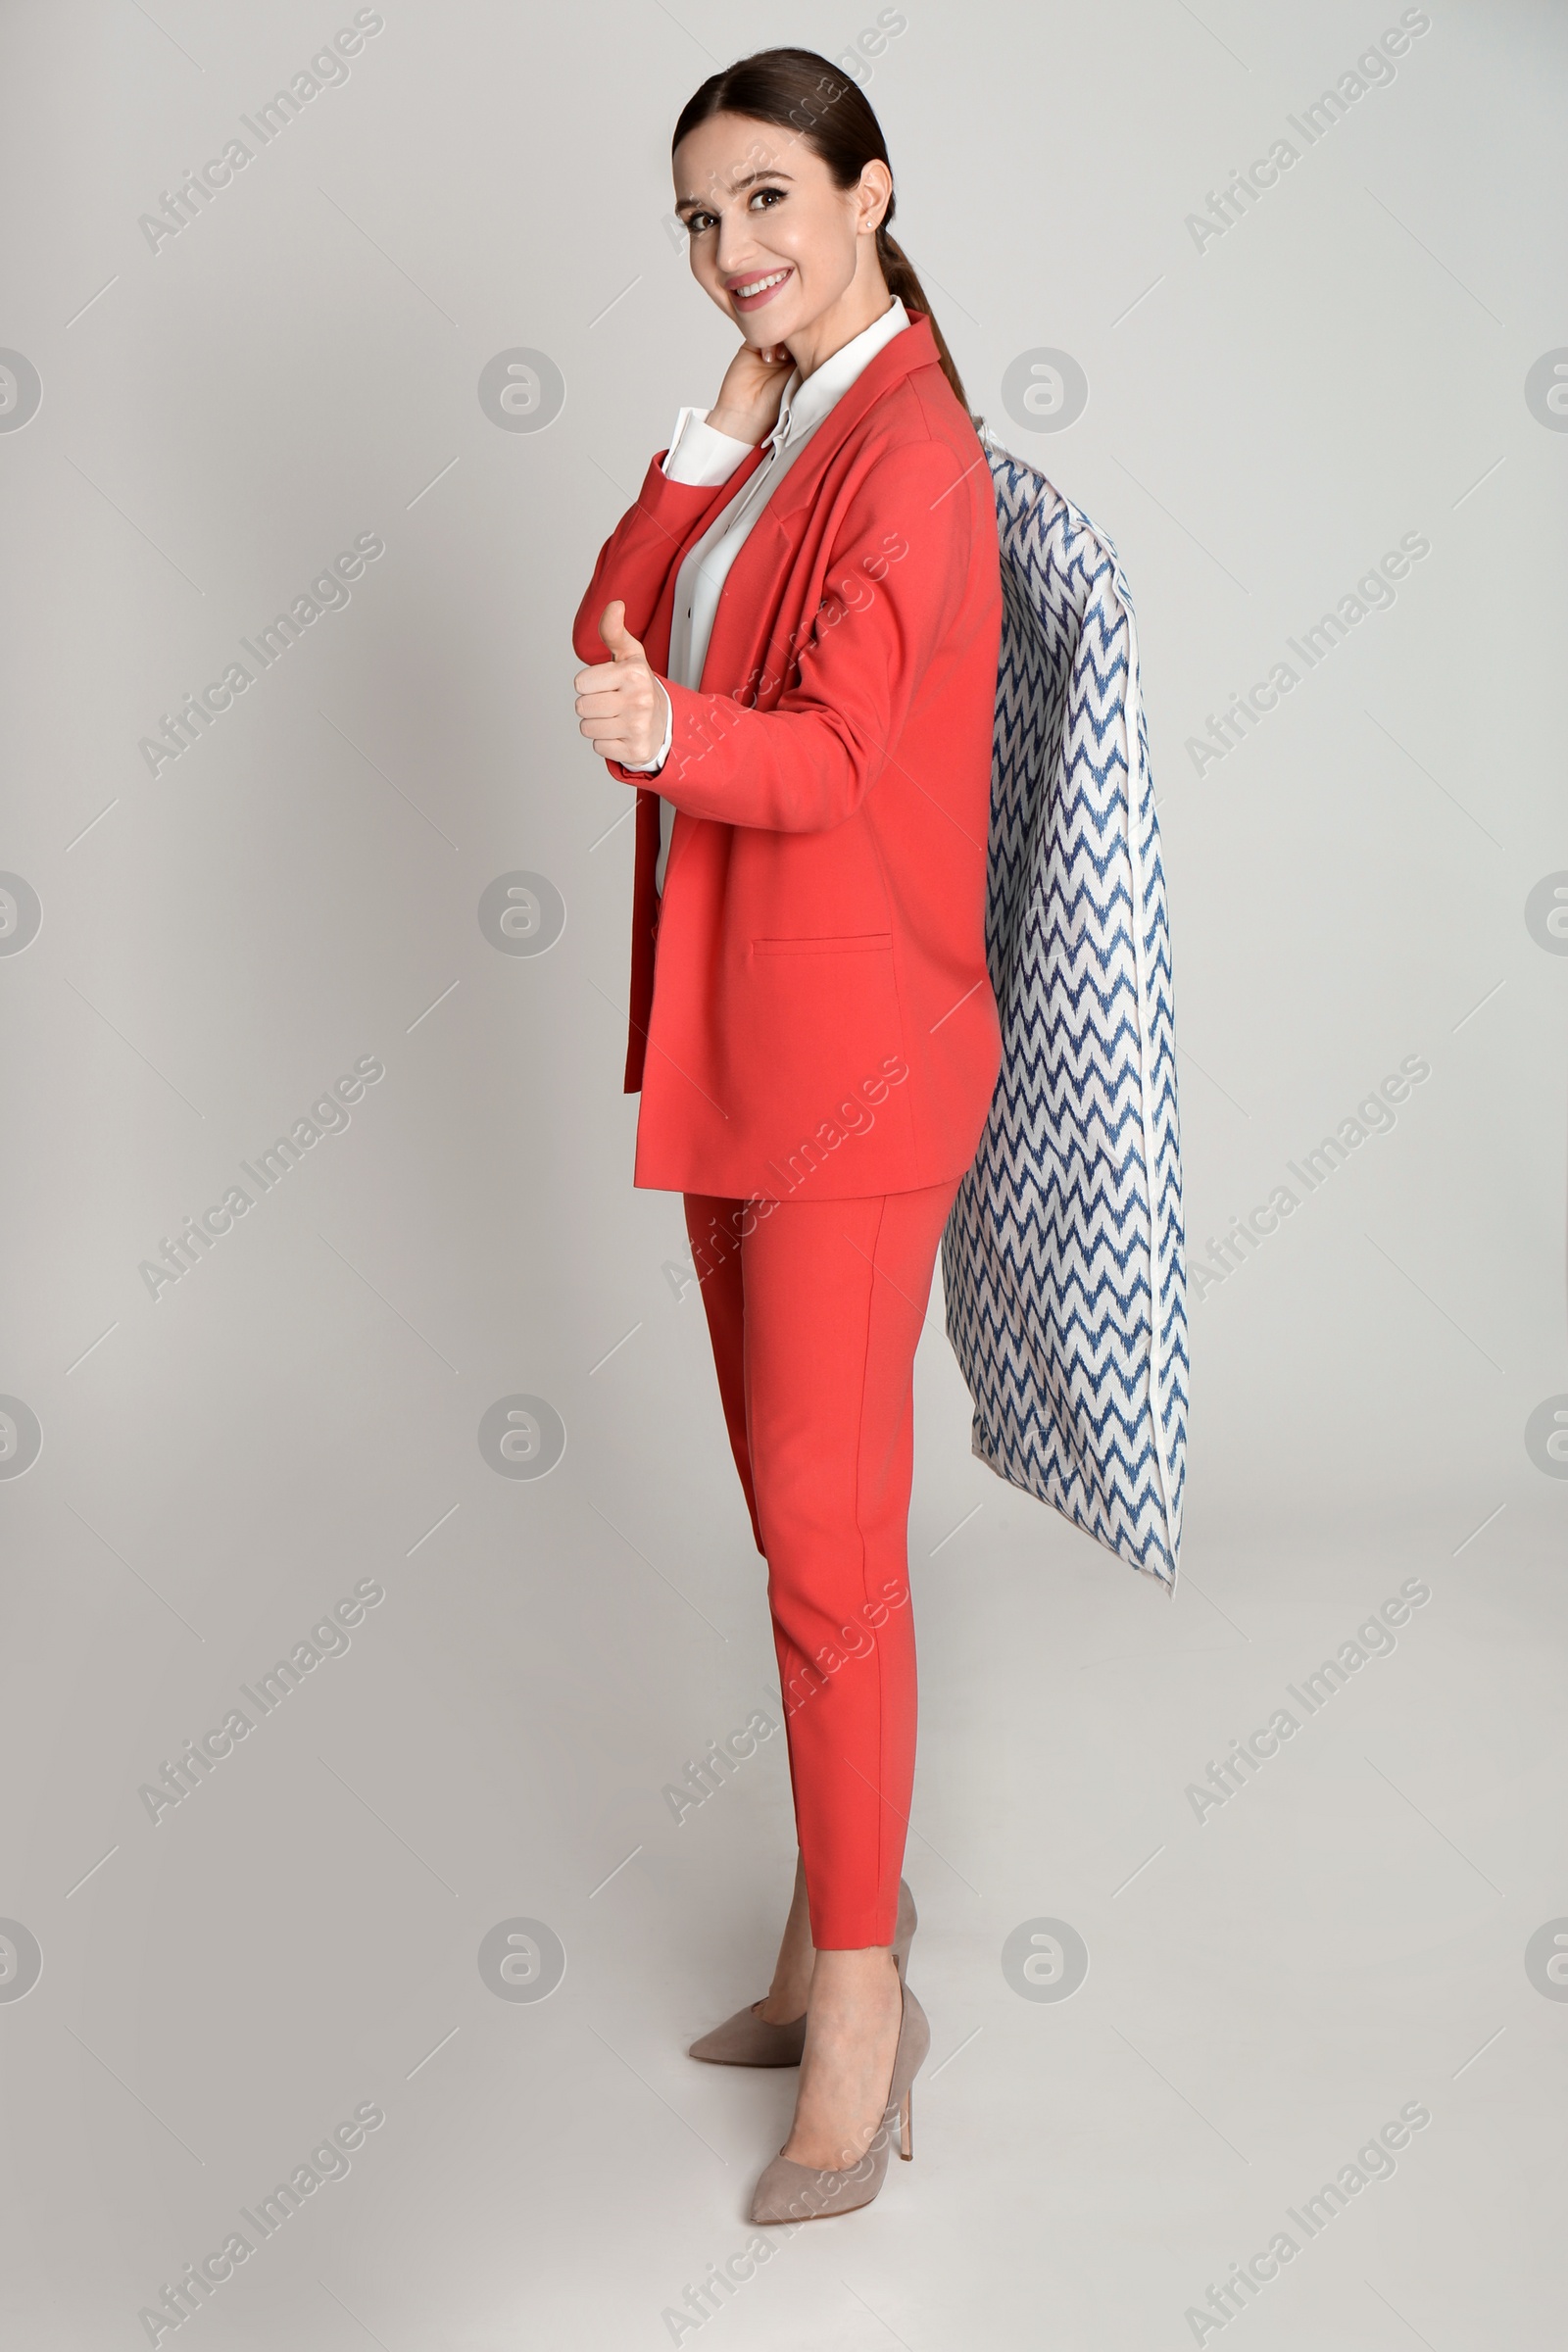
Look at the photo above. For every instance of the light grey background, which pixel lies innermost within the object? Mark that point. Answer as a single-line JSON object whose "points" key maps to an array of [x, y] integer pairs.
{"points": [[301, 1411]]}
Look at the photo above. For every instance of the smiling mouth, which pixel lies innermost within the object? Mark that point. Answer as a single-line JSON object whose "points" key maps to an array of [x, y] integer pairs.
{"points": [[759, 289]]}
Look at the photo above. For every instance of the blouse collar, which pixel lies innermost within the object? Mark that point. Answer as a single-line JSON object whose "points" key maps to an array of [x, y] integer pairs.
{"points": [[805, 402]]}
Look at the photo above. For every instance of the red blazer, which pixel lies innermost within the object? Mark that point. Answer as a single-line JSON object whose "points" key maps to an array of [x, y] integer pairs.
{"points": [[818, 1020]]}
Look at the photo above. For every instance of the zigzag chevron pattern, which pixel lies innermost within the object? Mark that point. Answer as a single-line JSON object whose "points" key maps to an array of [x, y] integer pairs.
{"points": [[1063, 1260]]}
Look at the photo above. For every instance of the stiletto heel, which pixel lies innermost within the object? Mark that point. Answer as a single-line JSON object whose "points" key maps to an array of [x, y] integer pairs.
{"points": [[747, 2039], [796, 2192], [906, 2129]]}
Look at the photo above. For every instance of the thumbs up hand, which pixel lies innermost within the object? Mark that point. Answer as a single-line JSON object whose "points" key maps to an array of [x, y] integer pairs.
{"points": [[621, 706]]}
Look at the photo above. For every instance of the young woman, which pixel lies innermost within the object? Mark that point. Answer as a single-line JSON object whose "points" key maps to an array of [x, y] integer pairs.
{"points": [[802, 617]]}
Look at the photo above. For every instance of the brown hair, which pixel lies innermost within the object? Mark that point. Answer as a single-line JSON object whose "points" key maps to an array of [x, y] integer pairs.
{"points": [[799, 90]]}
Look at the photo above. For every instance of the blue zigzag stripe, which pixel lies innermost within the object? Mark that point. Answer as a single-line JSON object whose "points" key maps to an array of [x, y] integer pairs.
{"points": [[1063, 1260]]}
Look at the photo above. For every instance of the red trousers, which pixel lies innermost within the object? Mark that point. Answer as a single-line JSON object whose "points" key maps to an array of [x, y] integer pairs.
{"points": [[815, 1309]]}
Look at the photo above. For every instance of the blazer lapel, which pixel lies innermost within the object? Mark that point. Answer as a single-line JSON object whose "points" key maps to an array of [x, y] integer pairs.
{"points": [[915, 347], [744, 629]]}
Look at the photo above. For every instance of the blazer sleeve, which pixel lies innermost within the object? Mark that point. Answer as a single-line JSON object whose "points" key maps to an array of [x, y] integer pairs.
{"points": [[642, 550], [895, 582]]}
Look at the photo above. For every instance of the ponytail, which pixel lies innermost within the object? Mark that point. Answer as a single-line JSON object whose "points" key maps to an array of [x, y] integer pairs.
{"points": [[902, 281]]}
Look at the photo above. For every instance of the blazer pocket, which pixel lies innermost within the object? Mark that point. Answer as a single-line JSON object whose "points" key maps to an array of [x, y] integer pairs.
{"points": [[836, 944]]}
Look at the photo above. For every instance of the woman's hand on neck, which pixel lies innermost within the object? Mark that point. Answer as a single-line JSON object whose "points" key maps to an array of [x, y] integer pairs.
{"points": [[750, 397]]}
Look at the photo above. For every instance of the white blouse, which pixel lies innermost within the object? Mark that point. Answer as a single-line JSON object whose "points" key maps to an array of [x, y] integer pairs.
{"points": [[698, 454]]}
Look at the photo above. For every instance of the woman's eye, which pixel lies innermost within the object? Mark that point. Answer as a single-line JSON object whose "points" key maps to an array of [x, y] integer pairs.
{"points": [[698, 223]]}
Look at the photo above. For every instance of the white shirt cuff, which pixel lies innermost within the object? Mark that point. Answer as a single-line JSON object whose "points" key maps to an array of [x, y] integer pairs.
{"points": [[699, 454], [647, 767]]}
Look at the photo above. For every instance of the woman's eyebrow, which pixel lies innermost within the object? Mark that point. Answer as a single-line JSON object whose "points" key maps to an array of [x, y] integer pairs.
{"points": [[687, 204]]}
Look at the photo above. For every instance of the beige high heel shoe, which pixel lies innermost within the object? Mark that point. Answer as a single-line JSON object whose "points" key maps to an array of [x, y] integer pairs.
{"points": [[747, 2039], [796, 2192]]}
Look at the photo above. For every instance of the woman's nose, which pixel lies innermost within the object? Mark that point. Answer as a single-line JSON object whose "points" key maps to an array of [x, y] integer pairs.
{"points": [[735, 250]]}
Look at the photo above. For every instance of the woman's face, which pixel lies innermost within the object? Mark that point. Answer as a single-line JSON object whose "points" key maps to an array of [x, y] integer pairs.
{"points": [[772, 241]]}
